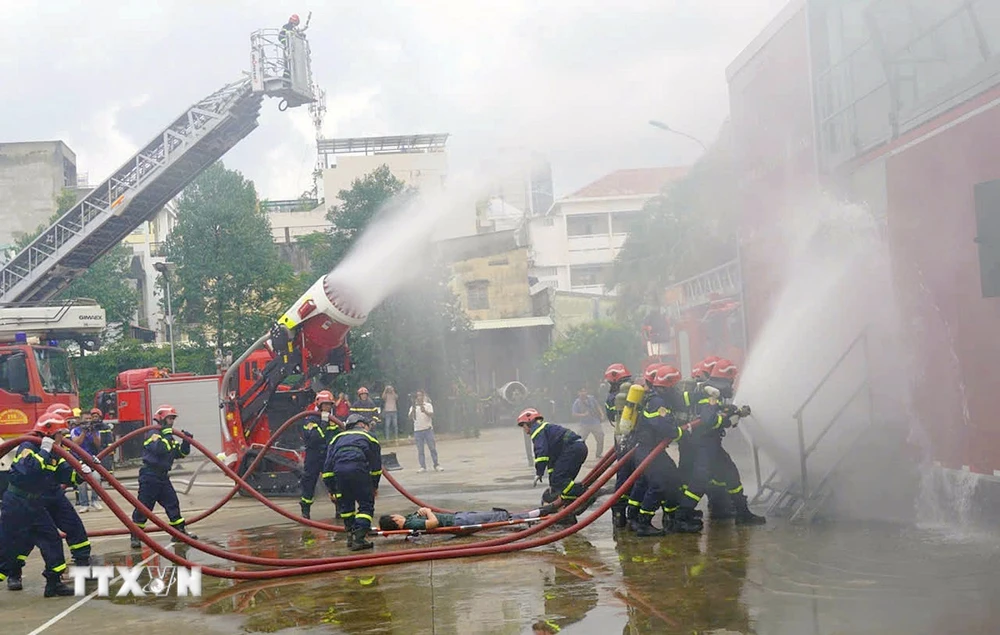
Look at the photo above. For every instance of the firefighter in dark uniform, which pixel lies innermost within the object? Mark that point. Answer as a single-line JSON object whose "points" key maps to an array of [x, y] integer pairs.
{"points": [[354, 459], [661, 476], [619, 381], [363, 405], [560, 450], [59, 507], [317, 430], [711, 464], [24, 520], [106, 434], [160, 449], [719, 506], [638, 491]]}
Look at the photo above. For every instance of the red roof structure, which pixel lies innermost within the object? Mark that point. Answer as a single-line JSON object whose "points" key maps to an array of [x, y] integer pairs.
{"points": [[632, 182]]}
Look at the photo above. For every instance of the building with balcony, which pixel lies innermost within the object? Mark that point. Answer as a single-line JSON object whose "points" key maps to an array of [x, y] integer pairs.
{"points": [[147, 243], [574, 244]]}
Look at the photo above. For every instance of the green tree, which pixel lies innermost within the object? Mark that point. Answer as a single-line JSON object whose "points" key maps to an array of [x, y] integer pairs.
{"points": [[97, 371], [228, 269], [416, 338], [580, 358], [688, 228], [108, 280]]}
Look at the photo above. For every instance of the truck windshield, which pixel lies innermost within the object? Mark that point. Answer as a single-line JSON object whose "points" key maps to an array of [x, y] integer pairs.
{"points": [[54, 370]]}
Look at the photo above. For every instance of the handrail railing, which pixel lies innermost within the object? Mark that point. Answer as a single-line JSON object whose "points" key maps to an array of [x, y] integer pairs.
{"points": [[862, 336], [804, 452]]}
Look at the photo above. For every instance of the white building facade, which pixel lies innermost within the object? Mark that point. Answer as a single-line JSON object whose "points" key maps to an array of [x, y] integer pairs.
{"points": [[574, 245]]}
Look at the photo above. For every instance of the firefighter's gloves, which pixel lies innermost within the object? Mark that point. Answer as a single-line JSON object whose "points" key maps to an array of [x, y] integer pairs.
{"points": [[47, 444], [538, 479], [86, 469], [187, 434]]}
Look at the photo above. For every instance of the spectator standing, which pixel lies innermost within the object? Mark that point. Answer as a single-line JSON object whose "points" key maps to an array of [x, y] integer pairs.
{"points": [[342, 407], [422, 415], [390, 413], [89, 440], [587, 411]]}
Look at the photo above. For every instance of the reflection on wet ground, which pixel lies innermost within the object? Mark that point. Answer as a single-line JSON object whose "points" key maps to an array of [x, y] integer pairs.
{"points": [[779, 579]]}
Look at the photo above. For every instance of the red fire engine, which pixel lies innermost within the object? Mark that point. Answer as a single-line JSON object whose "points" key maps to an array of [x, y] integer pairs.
{"points": [[34, 371], [703, 317]]}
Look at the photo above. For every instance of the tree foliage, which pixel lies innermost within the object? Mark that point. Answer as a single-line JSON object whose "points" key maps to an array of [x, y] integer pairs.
{"points": [[97, 371], [228, 269], [108, 280], [685, 230], [416, 339], [580, 358]]}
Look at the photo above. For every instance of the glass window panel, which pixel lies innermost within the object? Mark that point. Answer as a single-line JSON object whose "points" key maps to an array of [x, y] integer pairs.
{"points": [[587, 225], [988, 14], [867, 72], [872, 116], [940, 57]]}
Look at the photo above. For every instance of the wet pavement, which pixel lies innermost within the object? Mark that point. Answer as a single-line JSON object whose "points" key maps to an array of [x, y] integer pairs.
{"points": [[826, 579]]}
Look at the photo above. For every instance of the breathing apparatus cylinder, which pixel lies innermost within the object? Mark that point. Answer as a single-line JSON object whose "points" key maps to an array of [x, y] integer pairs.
{"points": [[630, 412]]}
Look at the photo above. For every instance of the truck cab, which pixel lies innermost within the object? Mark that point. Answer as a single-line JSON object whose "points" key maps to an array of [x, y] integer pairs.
{"points": [[34, 371]]}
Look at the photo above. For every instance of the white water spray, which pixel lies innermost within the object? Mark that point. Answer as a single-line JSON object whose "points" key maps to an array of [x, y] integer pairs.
{"points": [[837, 291], [395, 248]]}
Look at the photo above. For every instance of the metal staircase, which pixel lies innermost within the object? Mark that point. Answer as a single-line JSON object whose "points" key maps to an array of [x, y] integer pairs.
{"points": [[157, 173], [800, 497]]}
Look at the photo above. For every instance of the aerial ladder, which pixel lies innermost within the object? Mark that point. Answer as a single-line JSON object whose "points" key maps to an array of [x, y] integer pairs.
{"points": [[133, 194]]}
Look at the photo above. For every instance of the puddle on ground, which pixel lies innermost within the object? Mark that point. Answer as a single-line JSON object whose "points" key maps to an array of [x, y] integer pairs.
{"points": [[774, 580]]}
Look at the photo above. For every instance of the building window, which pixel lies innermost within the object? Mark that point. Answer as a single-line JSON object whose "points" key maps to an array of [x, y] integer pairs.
{"points": [[587, 225], [988, 236], [479, 295], [621, 222], [588, 275]]}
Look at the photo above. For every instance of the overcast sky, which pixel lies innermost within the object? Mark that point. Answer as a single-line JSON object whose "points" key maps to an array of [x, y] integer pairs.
{"points": [[574, 79]]}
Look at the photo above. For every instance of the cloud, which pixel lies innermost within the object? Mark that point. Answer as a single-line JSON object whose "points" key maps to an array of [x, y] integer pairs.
{"points": [[576, 80]]}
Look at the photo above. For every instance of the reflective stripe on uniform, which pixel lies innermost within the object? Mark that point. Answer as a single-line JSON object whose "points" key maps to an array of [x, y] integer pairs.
{"points": [[327, 475], [179, 521], [377, 473], [538, 429], [79, 545], [363, 516], [736, 490], [306, 501]]}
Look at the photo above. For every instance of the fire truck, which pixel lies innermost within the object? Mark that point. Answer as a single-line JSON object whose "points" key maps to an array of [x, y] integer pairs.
{"points": [[35, 371], [703, 316], [254, 390]]}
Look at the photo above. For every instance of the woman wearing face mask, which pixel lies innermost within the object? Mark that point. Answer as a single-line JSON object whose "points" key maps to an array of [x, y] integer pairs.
{"points": [[317, 430]]}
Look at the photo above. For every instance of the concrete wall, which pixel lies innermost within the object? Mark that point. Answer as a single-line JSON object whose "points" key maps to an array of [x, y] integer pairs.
{"points": [[32, 175], [287, 227], [506, 277], [574, 309]]}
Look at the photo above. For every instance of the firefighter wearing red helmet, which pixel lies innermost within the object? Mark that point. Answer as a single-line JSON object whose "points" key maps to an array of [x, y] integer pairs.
{"points": [[630, 502], [54, 501], [159, 451], [364, 405], [24, 521], [662, 480], [710, 464], [318, 428], [619, 380], [558, 451]]}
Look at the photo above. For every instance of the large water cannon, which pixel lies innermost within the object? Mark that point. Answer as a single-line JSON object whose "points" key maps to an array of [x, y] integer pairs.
{"points": [[309, 338]]}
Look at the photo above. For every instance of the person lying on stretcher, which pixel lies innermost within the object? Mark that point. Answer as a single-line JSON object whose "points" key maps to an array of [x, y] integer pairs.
{"points": [[424, 519]]}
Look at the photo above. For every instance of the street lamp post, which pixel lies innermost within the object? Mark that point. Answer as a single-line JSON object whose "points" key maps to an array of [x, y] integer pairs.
{"points": [[666, 128], [164, 269], [739, 268]]}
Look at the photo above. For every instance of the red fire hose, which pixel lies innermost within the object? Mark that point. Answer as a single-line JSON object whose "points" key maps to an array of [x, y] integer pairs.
{"points": [[499, 545], [598, 469]]}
